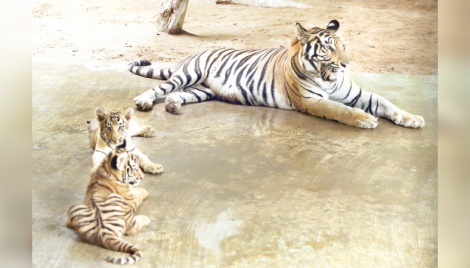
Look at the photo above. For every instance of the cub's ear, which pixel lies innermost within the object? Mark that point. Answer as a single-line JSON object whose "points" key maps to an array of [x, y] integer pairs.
{"points": [[118, 161], [100, 114], [129, 113], [114, 161], [302, 34], [333, 26]]}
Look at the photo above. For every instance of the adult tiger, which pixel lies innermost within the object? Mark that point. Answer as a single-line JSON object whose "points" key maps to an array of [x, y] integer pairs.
{"points": [[308, 76]]}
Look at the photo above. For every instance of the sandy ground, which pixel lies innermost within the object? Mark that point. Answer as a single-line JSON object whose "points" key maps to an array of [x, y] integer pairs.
{"points": [[383, 36]]}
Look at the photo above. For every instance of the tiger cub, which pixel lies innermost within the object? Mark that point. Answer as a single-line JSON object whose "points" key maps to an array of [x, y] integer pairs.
{"points": [[114, 130], [108, 210]]}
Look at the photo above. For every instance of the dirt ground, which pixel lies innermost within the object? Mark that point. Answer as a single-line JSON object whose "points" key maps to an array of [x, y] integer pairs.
{"points": [[382, 36]]}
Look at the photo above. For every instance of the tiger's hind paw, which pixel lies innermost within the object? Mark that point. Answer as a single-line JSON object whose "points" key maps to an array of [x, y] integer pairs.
{"points": [[172, 106], [144, 101]]}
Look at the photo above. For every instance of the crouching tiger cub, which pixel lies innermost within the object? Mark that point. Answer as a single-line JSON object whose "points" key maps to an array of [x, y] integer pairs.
{"points": [[108, 210], [114, 130], [309, 76]]}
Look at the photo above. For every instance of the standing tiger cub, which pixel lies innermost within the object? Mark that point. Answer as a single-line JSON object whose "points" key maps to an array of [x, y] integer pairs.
{"points": [[114, 130], [108, 210], [309, 76]]}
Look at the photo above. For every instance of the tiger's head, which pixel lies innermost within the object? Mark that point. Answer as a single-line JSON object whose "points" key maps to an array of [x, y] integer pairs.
{"points": [[322, 51], [125, 165], [113, 126]]}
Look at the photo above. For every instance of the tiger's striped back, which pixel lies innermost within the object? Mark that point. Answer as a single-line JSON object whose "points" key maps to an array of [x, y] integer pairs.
{"points": [[108, 210]]}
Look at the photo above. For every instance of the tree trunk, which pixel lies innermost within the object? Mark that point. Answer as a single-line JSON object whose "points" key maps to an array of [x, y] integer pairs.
{"points": [[172, 15]]}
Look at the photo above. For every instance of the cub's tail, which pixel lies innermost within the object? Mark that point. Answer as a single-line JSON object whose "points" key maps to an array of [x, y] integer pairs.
{"points": [[121, 246], [140, 68]]}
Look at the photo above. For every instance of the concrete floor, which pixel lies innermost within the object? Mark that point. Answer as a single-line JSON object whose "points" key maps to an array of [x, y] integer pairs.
{"points": [[243, 186]]}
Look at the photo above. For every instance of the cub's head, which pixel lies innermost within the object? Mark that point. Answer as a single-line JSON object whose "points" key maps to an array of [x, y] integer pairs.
{"points": [[114, 125], [125, 165], [322, 51]]}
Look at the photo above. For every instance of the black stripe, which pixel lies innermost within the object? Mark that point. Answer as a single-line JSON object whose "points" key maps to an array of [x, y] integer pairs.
{"points": [[150, 73], [195, 95], [227, 73], [162, 75], [369, 108], [215, 59], [265, 66], [310, 91], [178, 77], [209, 95], [187, 74], [208, 60], [76, 209], [243, 91], [244, 60], [354, 101], [265, 95], [224, 62], [122, 145], [101, 152], [295, 68], [198, 69]]}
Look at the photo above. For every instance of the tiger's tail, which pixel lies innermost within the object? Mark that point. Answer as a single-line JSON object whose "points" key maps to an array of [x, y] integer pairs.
{"points": [[141, 68], [121, 246]]}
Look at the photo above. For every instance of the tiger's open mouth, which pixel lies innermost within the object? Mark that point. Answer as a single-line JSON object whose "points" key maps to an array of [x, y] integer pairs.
{"points": [[329, 75]]}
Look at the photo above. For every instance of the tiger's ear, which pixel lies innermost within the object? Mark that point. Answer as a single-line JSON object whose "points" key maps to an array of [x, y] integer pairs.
{"points": [[302, 34], [100, 114], [129, 113], [119, 161], [333, 26], [114, 161]]}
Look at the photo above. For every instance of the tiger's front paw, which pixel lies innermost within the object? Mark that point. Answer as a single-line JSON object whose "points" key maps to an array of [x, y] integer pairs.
{"points": [[361, 119], [406, 119], [152, 168], [147, 131], [142, 220], [143, 193], [172, 105], [145, 100]]}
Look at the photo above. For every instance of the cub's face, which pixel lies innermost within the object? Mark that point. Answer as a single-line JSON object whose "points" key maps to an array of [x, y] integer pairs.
{"points": [[127, 167], [113, 126], [323, 53]]}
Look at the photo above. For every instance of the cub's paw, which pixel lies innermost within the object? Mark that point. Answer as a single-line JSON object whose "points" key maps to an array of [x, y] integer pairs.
{"points": [[147, 131], [172, 105], [142, 192], [145, 100], [362, 119], [152, 168], [406, 119], [143, 220]]}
